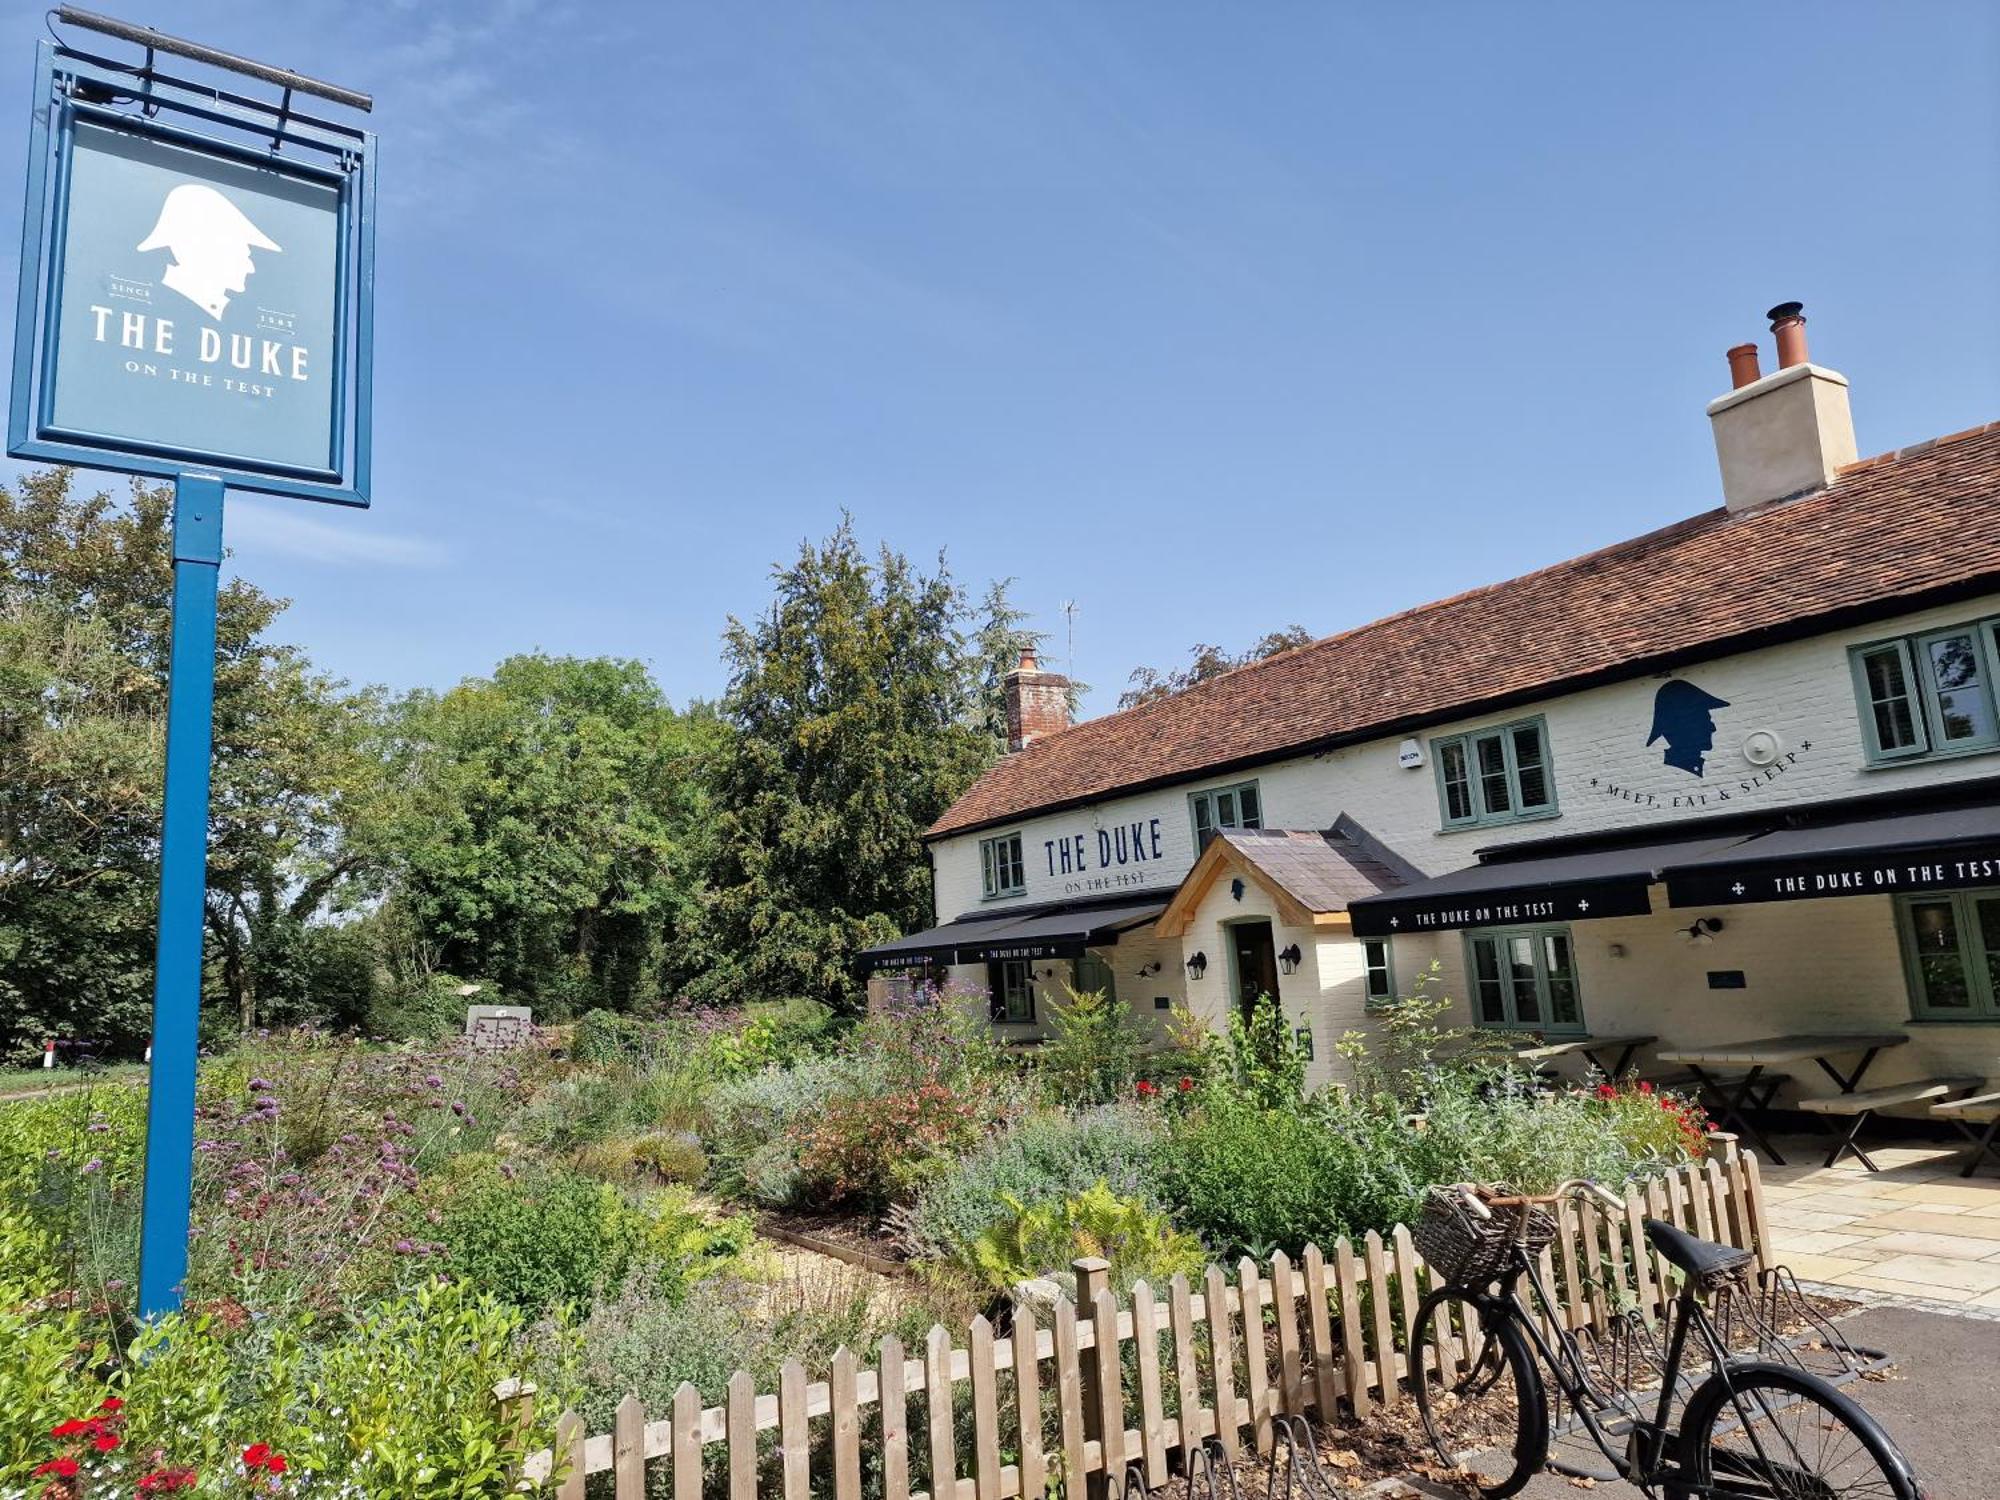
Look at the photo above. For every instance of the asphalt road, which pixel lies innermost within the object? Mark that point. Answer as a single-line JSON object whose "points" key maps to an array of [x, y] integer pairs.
{"points": [[1938, 1403]]}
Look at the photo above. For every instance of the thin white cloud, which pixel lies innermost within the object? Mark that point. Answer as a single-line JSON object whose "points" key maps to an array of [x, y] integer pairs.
{"points": [[270, 527]]}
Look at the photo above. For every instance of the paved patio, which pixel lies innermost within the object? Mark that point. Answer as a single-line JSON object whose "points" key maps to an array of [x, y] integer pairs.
{"points": [[1916, 1228]]}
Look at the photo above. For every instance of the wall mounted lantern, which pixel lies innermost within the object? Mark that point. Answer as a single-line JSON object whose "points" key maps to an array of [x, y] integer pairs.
{"points": [[1288, 960], [1702, 930], [1236, 889], [1147, 971], [1197, 965]]}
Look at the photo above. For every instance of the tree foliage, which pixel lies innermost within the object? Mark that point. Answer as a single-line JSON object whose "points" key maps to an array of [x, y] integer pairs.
{"points": [[1148, 683], [546, 831], [859, 717], [558, 831], [85, 612]]}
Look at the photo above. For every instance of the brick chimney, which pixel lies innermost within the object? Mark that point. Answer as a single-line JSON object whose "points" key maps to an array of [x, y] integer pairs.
{"points": [[1785, 434], [1037, 702]]}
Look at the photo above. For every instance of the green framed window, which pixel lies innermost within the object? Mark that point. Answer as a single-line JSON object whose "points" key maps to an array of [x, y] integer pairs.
{"points": [[1497, 775], [1929, 694], [1951, 954], [1010, 990], [1090, 973], [1524, 977], [1001, 870], [1379, 969], [1237, 806]]}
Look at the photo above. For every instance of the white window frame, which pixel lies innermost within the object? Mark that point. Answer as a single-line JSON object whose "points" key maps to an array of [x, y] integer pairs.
{"points": [[995, 856], [1386, 994], [1466, 742], [1207, 801], [1920, 682], [1544, 996]]}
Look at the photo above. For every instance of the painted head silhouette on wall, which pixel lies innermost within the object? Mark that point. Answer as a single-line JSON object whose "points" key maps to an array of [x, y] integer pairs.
{"points": [[1683, 717]]}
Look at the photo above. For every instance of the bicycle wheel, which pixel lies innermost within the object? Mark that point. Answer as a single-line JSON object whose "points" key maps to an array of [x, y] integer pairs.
{"points": [[1479, 1392], [1787, 1435]]}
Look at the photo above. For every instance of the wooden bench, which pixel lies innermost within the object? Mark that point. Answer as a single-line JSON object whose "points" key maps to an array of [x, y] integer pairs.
{"points": [[1978, 1109], [1863, 1104]]}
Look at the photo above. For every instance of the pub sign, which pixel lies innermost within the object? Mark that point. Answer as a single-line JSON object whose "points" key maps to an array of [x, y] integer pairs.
{"points": [[192, 299]]}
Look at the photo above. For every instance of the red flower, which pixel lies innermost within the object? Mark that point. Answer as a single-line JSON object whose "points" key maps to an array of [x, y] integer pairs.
{"points": [[106, 1442], [256, 1455], [111, 1403], [62, 1468], [69, 1429], [1147, 1088], [1606, 1091], [1187, 1085], [276, 1465], [1645, 1087]]}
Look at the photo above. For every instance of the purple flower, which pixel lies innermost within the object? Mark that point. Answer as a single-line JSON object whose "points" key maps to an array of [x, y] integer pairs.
{"points": [[259, 1085], [405, 1247], [93, 1165], [431, 1080]]}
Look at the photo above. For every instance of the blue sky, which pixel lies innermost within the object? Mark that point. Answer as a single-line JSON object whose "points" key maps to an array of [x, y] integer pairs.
{"points": [[1211, 318]]}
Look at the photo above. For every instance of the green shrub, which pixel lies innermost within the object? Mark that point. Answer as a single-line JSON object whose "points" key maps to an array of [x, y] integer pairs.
{"points": [[673, 1156], [538, 1242], [772, 1033], [748, 1130], [1042, 1240], [1251, 1180], [1043, 1159], [1092, 1056], [600, 1037], [679, 1243], [409, 1399], [1263, 1059], [425, 1011]]}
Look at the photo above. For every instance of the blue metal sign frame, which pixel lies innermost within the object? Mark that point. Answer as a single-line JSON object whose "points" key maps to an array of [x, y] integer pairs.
{"points": [[71, 87]]}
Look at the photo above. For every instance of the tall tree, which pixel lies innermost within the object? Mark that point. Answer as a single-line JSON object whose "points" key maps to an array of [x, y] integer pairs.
{"points": [[856, 703], [85, 615], [1148, 683], [548, 828]]}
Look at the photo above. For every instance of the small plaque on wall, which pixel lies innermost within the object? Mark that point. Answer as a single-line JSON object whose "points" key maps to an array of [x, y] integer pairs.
{"points": [[1725, 979]]}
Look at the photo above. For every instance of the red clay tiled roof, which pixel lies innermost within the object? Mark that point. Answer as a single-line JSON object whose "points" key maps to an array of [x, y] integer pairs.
{"points": [[1889, 531]]}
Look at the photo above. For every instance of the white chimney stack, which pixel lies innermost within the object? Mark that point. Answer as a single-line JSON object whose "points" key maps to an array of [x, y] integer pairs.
{"points": [[1785, 434]]}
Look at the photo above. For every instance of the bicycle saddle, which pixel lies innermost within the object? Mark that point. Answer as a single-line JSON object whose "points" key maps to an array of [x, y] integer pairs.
{"points": [[1706, 1262]]}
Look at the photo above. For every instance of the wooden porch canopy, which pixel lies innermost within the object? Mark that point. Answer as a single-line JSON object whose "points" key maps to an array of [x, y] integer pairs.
{"points": [[1310, 874]]}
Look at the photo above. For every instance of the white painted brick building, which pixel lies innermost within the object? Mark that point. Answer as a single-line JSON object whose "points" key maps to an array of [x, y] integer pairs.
{"points": [[1819, 654]]}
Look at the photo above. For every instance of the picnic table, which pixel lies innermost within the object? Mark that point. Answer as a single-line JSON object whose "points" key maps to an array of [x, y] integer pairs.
{"points": [[1733, 1100], [1588, 1047]]}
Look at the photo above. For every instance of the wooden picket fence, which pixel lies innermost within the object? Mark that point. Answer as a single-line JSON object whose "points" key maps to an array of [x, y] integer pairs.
{"points": [[1324, 1334]]}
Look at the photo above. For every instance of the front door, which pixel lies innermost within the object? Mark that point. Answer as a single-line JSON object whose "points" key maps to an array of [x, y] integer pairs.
{"points": [[1256, 964]]}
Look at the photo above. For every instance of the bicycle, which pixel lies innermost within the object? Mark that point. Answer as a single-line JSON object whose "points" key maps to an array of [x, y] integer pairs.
{"points": [[1755, 1429]]}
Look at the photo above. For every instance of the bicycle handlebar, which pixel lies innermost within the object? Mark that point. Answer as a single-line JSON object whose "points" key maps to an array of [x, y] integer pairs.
{"points": [[1469, 1194]]}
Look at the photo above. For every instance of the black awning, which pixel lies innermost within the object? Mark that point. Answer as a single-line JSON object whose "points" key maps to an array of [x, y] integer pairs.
{"points": [[1500, 891], [916, 950], [1037, 932], [1060, 933], [1934, 850]]}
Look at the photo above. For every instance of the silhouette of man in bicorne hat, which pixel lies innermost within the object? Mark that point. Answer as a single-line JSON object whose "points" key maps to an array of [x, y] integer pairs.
{"points": [[211, 240], [1682, 717]]}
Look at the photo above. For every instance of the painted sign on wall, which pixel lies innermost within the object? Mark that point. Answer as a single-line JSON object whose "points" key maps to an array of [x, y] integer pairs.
{"points": [[1105, 858]]}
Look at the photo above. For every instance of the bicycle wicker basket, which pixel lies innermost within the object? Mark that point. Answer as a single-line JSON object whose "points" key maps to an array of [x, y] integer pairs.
{"points": [[1466, 1250]]}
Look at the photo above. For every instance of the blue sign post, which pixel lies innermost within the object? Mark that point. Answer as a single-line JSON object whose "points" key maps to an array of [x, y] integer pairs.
{"points": [[195, 303]]}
